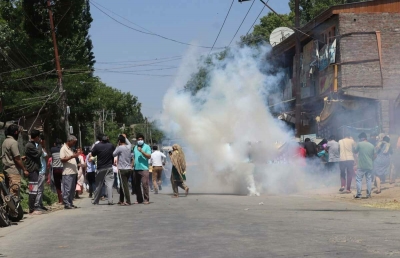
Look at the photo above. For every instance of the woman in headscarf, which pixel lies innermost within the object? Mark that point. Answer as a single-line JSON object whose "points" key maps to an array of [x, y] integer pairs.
{"points": [[178, 175], [382, 162]]}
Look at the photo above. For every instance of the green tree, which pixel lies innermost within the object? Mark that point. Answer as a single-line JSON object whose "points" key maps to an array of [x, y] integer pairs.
{"points": [[312, 8], [263, 30]]}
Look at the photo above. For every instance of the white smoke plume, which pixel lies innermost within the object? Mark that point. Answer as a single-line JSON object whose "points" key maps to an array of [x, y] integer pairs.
{"points": [[227, 127]]}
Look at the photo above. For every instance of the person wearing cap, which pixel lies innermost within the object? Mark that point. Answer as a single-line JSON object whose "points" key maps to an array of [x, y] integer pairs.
{"points": [[366, 156]]}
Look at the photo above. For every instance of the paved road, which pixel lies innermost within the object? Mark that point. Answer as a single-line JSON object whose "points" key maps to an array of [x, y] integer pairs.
{"points": [[208, 226]]}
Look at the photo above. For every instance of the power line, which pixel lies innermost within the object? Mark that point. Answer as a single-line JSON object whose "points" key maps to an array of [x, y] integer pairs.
{"points": [[146, 70], [256, 19], [21, 69], [137, 61], [44, 104], [289, 25], [148, 33], [64, 15], [123, 67], [222, 26], [124, 18], [27, 16], [241, 23], [150, 75], [32, 76]]}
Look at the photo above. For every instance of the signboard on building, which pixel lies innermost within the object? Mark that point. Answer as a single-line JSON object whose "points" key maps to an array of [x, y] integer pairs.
{"points": [[332, 52], [326, 81], [308, 54], [323, 58]]}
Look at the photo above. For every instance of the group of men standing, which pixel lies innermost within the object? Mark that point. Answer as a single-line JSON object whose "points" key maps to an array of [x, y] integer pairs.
{"points": [[132, 163], [349, 154]]}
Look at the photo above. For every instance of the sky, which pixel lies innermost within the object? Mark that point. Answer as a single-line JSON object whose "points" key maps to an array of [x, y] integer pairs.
{"points": [[122, 50]]}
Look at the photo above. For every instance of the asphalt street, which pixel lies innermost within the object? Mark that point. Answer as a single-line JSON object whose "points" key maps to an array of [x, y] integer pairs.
{"points": [[208, 226]]}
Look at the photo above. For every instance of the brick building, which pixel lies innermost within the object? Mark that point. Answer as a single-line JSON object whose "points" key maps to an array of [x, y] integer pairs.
{"points": [[350, 69]]}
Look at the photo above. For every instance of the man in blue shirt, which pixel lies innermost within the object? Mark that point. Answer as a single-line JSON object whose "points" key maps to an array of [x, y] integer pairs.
{"points": [[142, 153]]}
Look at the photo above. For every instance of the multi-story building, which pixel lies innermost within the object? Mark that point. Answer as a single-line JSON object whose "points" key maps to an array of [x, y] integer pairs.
{"points": [[350, 69]]}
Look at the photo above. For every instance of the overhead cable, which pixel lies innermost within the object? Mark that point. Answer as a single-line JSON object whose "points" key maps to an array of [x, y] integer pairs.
{"points": [[21, 69], [137, 61], [256, 19], [32, 76], [149, 33], [241, 23], [222, 26]]}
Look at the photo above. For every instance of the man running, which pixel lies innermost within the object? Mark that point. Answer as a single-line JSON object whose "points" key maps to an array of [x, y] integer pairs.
{"points": [[157, 161]]}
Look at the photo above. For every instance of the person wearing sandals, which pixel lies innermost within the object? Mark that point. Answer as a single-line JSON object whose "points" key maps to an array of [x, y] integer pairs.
{"points": [[382, 162], [123, 152], [178, 174]]}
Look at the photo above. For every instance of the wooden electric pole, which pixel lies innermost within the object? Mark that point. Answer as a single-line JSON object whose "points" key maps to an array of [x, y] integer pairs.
{"points": [[63, 98], [297, 72]]}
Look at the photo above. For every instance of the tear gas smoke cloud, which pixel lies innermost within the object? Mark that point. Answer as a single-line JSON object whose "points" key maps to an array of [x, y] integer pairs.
{"points": [[228, 128]]}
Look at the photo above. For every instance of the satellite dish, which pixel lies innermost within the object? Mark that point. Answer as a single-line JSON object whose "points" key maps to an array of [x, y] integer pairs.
{"points": [[279, 34]]}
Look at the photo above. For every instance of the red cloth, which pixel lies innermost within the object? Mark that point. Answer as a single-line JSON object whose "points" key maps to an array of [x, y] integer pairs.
{"points": [[301, 152], [84, 157]]}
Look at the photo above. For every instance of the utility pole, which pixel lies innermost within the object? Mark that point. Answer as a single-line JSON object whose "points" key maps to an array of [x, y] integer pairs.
{"points": [[297, 60], [103, 120], [112, 116], [59, 72]]}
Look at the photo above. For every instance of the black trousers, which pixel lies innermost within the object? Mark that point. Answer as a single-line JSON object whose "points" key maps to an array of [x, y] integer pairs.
{"points": [[123, 186], [91, 178], [33, 189], [132, 176]]}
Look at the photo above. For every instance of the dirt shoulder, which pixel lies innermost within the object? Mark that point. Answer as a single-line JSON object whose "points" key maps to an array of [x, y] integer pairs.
{"points": [[389, 198]]}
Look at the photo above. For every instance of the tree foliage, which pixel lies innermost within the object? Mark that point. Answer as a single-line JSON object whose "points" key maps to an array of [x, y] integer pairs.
{"points": [[28, 79]]}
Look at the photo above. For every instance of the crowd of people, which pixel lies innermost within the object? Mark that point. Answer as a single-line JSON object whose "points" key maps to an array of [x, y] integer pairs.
{"points": [[104, 166], [369, 157]]}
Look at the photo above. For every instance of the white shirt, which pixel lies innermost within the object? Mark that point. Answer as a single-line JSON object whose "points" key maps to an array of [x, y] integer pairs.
{"points": [[157, 158]]}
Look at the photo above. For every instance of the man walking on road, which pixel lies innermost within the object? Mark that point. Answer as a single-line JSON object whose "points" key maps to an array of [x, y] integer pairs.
{"points": [[346, 164], [103, 151], [34, 165], [142, 153], [157, 161], [366, 156], [123, 152], [70, 172], [11, 159]]}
